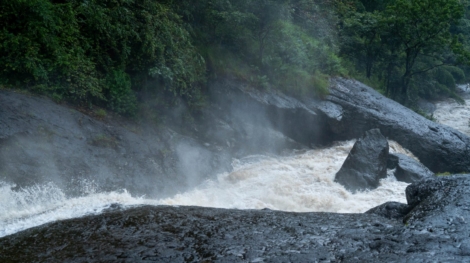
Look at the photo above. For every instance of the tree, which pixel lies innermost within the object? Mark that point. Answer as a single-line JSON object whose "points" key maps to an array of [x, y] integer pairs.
{"points": [[401, 39], [421, 28]]}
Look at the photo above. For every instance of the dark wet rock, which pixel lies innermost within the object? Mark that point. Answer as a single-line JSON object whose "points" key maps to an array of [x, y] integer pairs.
{"points": [[438, 194], [436, 230], [249, 110], [366, 163], [390, 210], [407, 169], [392, 161], [355, 108], [41, 142]]}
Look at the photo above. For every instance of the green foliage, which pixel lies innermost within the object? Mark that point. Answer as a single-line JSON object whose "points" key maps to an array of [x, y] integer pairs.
{"points": [[121, 98], [106, 51], [39, 50], [81, 51], [404, 42], [443, 174], [271, 44], [143, 36], [100, 113], [104, 141]]}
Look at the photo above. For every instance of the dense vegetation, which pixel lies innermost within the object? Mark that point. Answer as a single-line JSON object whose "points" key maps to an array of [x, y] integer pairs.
{"points": [[409, 48], [107, 52]]}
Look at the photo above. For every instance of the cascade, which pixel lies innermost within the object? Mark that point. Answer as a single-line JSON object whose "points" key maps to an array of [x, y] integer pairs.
{"points": [[302, 181]]}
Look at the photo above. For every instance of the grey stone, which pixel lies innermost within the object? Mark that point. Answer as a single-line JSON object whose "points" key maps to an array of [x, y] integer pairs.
{"points": [[366, 164], [408, 169]]}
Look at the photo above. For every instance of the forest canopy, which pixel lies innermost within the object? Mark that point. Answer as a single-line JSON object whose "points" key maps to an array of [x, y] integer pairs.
{"points": [[107, 52]]}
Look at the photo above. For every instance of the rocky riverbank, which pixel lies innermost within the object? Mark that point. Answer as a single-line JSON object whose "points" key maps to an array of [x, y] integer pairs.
{"points": [[41, 141]]}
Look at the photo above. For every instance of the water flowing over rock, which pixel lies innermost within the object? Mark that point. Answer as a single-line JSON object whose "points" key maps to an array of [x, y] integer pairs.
{"points": [[407, 169], [366, 163], [436, 230]]}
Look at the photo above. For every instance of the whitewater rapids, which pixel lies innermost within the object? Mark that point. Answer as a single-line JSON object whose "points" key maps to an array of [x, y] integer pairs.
{"points": [[300, 182]]}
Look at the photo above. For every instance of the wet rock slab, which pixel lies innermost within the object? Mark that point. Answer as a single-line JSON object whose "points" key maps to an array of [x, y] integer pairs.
{"points": [[366, 163], [435, 230]]}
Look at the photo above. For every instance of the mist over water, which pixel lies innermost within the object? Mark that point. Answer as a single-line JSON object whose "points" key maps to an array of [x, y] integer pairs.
{"points": [[302, 181]]}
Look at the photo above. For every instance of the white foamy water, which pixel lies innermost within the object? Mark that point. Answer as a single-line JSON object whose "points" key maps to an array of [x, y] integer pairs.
{"points": [[455, 115], [302, 182], [40, 204]]}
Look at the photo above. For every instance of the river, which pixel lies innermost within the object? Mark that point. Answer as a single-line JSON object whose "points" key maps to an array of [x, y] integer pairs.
{"points": [[302, 182]]}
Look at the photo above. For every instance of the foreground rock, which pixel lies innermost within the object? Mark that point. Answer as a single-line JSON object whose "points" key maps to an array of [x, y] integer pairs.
{"points": [[366, 164], [408, 169], [353, 108], [437, 230]]}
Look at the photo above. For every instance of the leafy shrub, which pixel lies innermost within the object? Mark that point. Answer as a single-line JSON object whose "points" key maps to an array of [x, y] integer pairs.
{"points": [[40, 50], [121, 98]]}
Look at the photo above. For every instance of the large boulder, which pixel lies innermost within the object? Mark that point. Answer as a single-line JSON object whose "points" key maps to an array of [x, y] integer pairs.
{"points": [[366, 164], [42, 142], [352, 108], [407, 169]]}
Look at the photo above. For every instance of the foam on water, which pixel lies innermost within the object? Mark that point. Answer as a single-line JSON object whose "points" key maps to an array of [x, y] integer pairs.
{"points": [[302, 182], [33, 206], [453, 114]]}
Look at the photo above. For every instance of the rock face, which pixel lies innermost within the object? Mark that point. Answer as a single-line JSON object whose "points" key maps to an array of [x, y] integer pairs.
{"points": [[346, 113], [270, 109], [408, 169], [366, 164], [42, 142], [436, 230], [353, 108]]}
